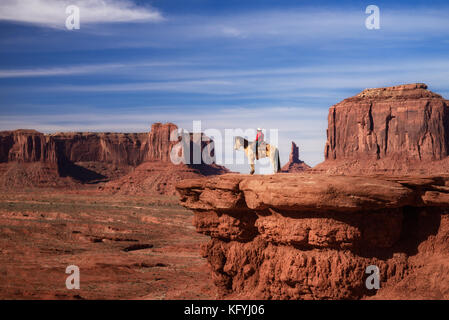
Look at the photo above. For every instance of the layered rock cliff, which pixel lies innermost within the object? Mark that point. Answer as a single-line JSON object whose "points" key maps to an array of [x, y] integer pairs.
{"points": [[89, 157], [26, 146], [395, 129], [118, 148], [293, 236]]}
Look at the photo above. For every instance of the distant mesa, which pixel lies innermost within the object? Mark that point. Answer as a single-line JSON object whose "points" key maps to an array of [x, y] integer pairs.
{"points": [[30, 158], [294, 164]]}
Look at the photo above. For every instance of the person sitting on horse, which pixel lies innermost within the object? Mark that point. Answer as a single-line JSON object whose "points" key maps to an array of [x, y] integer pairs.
{"points": [[259, 140]]}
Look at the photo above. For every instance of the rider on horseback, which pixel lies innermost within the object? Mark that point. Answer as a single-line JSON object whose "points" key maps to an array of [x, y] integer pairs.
{"points": [[259, 140]]}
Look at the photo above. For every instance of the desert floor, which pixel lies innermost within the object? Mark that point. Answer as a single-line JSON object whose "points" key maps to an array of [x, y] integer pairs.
{"points": [[126, 247]]}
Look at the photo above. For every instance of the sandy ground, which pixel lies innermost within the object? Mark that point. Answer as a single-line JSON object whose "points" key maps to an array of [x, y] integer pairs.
{"points": [[126, 247]]}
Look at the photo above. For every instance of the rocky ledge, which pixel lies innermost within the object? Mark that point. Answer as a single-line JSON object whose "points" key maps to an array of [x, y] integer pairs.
{"points": [[312, 236]]}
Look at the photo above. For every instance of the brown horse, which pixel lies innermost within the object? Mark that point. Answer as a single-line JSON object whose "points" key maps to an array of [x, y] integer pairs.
{"points": [[271, 152]]}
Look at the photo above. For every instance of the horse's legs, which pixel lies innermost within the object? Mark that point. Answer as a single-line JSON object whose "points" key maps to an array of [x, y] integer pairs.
{"points": [[273, 162], [250, 155], [274, 159], [251, 162]]}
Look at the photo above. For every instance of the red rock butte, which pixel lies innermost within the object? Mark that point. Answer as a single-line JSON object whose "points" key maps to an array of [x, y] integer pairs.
{"points": [[400, 129], [294, 164]]}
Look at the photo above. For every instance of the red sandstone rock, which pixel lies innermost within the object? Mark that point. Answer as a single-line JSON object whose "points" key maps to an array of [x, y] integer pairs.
{"points": [[293, 236], [26, 146], [159, 144], [393, 129], [117, 148], [294, 164], [286, 191], [95, 157]]}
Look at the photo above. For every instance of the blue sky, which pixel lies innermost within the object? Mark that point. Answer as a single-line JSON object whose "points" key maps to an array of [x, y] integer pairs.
{"points": [[231, 64]]}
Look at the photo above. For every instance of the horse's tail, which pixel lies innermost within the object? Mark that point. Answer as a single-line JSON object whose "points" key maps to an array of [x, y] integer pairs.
{"points": [[278, 161]]}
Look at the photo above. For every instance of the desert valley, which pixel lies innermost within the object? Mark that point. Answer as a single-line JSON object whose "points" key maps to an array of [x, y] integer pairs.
{"points": [[141, 227]]}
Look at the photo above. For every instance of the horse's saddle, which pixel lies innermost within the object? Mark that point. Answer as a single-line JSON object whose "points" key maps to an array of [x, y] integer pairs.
{"points": [[262, 150]]}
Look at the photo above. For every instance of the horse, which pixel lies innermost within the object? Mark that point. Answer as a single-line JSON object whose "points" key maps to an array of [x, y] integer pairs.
{"points": [[271, 152]]}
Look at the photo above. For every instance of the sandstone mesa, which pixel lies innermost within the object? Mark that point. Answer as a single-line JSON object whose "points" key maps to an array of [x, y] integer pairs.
{"points": [[141, 160], [402, 129]]}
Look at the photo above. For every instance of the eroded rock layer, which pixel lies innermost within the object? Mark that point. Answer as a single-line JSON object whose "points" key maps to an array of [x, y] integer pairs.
{"points": [[30, 158], [299, 236], [119, 148]]}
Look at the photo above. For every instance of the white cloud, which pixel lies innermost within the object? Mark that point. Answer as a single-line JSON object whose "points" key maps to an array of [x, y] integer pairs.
{"points": [[193, 86], [58, 71], [293, 82], [83, 69], [305, 25], [265, 86], [232, 32], [52, 13]]}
